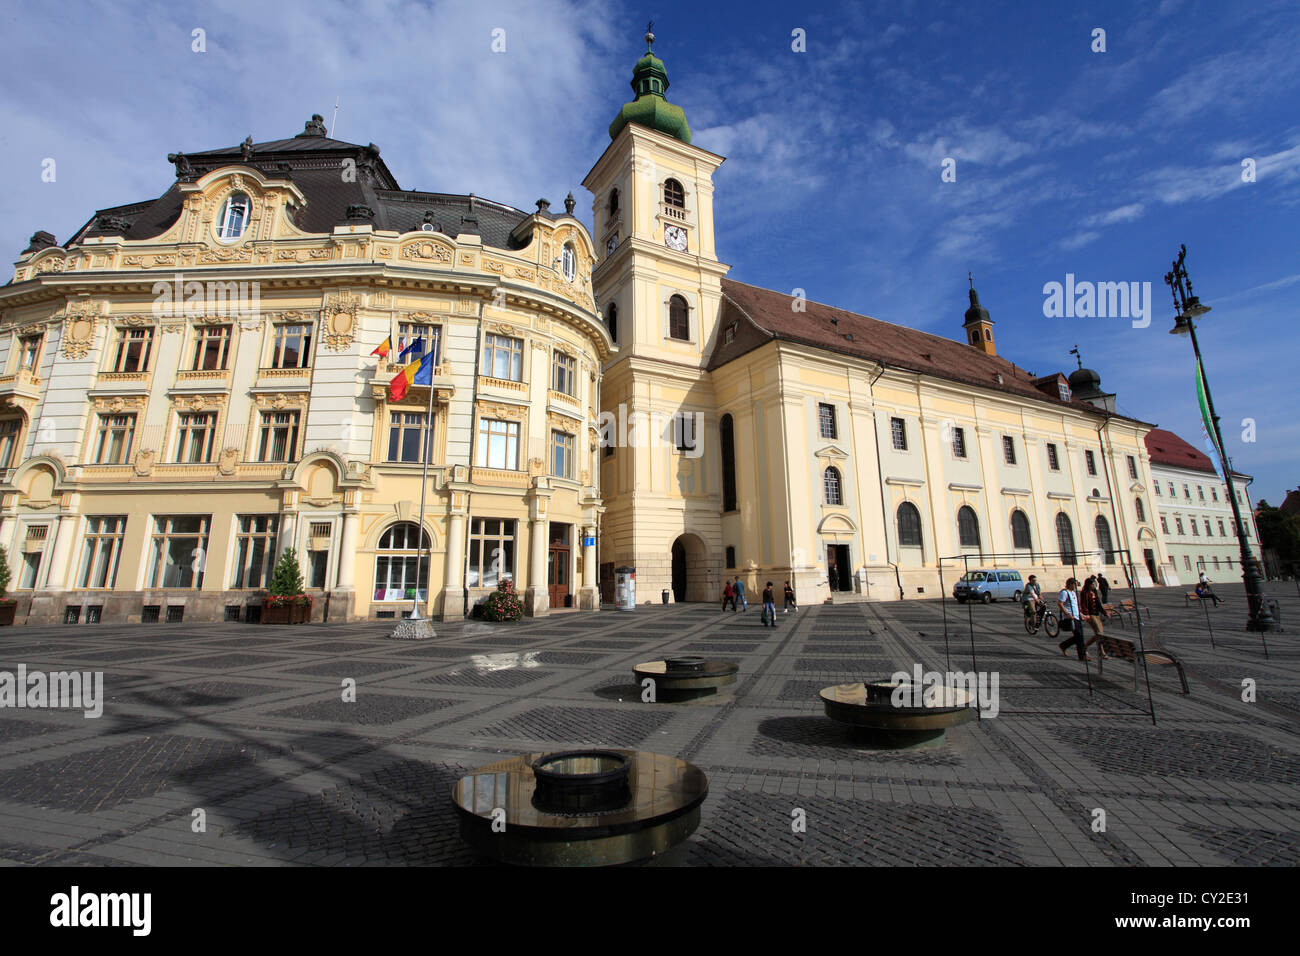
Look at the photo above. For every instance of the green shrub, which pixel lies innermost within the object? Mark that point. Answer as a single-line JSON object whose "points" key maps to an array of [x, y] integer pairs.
{"points": [[503, 604]]}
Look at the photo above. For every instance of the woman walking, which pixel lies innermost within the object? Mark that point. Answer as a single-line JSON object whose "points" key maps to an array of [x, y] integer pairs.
{"points": [[729, 594]]}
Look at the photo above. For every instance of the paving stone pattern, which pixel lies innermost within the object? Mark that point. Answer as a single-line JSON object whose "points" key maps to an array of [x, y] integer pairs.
{"points": [[249, 723]]}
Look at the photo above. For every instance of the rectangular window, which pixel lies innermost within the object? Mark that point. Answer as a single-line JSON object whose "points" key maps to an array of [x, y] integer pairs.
{"points": [[561, 455], [255, 550], [406, 432], [211, 348], [491, 552], [1164, 524], [278, 439], [1214, 493], [317, 565], [1132, 467], [1172, 492], [826, 420], [178, 550], [498, 444], [291, 346], [194, 437], [31, 569], [1053, 462], [133, 349], [1187, 492], [29, 352], [1200, 492], [409, 332], [1009, 449], [898, 430], [103, 550], [1091, 462], [1187, 562], [1208, 532], [113, 443], [1178, 523], [959, 443], [503, 357], [564, 373], [9, 431], [1157, 487], [1196, 531], [1222, 532]]}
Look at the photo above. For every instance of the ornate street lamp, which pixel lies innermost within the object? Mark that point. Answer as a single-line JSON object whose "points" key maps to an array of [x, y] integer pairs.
{"points": [[1187, 309]]}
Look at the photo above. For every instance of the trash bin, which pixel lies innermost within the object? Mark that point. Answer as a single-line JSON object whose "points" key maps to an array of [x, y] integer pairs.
{"points": [[664, 595], [625, 589]]}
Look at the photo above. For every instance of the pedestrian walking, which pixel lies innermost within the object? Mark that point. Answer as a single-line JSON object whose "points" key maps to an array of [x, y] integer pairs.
{"points": [[1104, 587], [740, 594], [729, 595], [1091, 608], [769, 605], [1071, 619], [790, 602]]}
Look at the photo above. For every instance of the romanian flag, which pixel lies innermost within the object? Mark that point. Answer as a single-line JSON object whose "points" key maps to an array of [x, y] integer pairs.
{"points": [[417, 373], [384, 348]]}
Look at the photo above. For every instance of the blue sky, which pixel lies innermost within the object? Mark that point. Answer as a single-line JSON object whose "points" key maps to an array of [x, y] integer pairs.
{"points": [[1066, 160]]}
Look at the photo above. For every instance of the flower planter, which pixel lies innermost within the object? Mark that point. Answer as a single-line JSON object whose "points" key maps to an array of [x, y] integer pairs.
{"points": [[7, 609], [286, 614]]}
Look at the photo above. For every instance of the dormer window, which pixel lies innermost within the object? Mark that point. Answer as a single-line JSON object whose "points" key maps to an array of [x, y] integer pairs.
{"points": [[674, 195], [569, 263], [1064, 391], [233, 218]]}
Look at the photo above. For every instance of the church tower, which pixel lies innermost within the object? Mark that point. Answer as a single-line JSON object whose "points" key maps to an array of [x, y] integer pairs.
{"points": [[978, 325], [658, 284]]}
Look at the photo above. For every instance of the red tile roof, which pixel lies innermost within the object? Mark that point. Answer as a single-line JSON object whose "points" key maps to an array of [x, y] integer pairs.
{"points": [[836, 330], [1166, 448]]}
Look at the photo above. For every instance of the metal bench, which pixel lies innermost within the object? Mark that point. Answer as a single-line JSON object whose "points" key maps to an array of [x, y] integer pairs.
{"points": [[1123, 649]]}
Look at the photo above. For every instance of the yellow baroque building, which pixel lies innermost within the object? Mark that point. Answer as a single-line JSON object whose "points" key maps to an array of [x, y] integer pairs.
{"points": [[191, 386]]}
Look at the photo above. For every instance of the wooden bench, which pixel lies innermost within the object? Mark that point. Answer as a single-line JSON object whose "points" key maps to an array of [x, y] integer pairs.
{"points": [[1128, 607], [1123, 649], [1189, 597], [1109, 610]]}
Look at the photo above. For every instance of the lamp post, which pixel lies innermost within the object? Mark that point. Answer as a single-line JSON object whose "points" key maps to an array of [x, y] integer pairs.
{"points": [[1188, 308]]}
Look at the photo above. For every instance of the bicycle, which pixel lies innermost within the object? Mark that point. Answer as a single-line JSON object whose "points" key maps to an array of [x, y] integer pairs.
{"points": [[1044, 617]]}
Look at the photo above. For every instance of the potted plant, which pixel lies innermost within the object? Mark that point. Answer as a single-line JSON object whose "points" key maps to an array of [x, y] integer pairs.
{"points": [[285, 602], [7, 604], [503, 604]]}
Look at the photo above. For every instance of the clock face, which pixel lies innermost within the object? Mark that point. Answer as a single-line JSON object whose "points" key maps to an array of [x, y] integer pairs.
{"points": [[611, 244], [675, 238]]}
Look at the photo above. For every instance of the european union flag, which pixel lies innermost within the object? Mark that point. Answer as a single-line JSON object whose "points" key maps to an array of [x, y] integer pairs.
{"points": [[416, 346]]}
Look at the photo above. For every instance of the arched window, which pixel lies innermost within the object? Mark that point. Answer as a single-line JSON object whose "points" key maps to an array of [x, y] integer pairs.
{"points": [[232, 220], [1104, 544], [397, 561], [834, 490], [674, 195], [1020, 538], [968, 527], [679, 322], [1141, 511], [726, 432], [1065, 537], [613, 203], [909, 526], [611, 321], [569, 262]]}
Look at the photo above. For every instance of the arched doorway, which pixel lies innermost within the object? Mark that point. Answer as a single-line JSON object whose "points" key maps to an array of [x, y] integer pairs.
{"points": [[690, 573]]}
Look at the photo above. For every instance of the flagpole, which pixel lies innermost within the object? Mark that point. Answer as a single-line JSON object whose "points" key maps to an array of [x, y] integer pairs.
{"points": [[426, 452]]}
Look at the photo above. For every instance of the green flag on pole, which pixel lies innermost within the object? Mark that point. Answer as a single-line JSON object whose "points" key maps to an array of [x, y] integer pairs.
{"points": [[1206, 419]]}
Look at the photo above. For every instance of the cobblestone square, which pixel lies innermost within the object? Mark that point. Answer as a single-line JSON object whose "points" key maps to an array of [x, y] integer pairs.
{"points": [[250, 724]]}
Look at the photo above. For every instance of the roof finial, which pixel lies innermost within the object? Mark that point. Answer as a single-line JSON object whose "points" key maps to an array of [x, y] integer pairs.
{"points": [[972, 280], [1077, 357], [649, 35]]}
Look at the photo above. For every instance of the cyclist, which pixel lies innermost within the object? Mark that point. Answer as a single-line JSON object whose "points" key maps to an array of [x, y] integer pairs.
{"points": [[1031, 599]]}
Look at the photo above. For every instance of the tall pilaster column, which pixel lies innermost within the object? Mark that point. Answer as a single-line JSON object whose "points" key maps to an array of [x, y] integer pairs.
{"points": [[453, 581], [538, 598], [589, 596]]}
